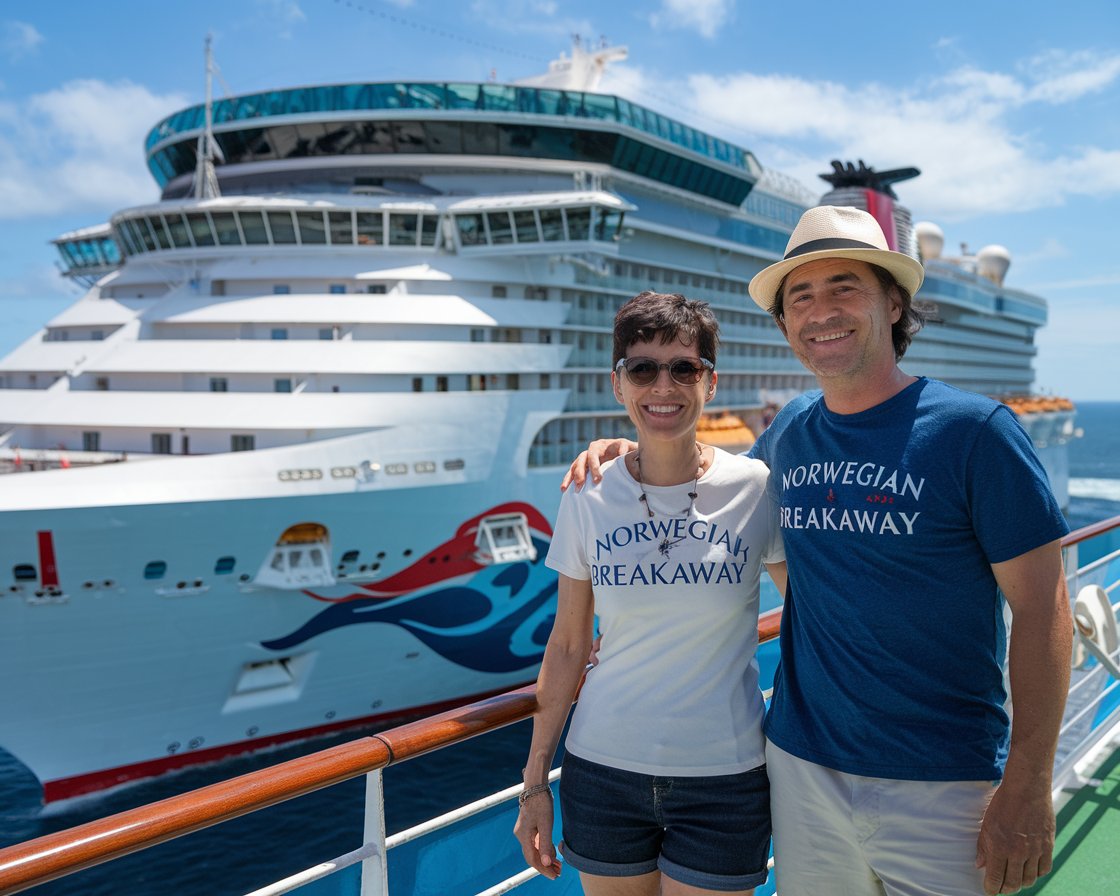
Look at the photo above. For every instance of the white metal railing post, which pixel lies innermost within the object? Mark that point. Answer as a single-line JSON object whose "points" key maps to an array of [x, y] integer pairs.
{"points": [[375, 869]]}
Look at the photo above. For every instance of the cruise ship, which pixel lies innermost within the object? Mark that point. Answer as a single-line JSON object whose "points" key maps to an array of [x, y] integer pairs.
{"points": [[290, 464]]}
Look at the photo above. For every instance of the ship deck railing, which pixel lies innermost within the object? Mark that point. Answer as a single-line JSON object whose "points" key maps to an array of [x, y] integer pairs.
{"points": [[1088, 808]]}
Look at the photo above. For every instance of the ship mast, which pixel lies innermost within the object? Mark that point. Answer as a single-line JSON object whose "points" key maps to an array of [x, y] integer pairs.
{"points": [[205, 178]]}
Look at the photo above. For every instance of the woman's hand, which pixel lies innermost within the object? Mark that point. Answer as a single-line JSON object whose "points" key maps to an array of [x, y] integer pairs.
{"points": [[534, 832], [598, 452]]}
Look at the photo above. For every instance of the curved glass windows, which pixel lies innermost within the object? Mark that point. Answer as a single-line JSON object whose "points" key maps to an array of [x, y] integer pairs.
{"points": [[525, 223], [472, 230], [226, 227], [501, 231], [552, 224], [311, 228], [282, 227], [200, 228], [369, 228], [579, 223], [429, 230], [402, 230], [177, 227], [252, 225], [342, 228]]}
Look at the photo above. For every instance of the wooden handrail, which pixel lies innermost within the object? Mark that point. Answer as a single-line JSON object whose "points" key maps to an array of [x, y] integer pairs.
{"points": [[1087, 532], [55, 855]]}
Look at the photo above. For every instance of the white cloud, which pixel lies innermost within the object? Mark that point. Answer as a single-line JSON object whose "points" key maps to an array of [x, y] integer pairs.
{"points": [[77, 147], [281, 14], [704, 16], [18, 39], [961, 129], [1061, 77]]}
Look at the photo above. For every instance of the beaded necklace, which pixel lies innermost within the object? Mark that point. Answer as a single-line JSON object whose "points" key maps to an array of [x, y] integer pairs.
{"points": [[667, 543]]}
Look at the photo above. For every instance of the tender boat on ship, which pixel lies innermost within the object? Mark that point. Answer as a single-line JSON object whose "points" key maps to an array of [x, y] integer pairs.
{"points": [[289, 466]]}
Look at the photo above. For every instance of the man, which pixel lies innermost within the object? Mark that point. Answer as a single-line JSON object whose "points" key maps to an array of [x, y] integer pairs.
{"points": [[907, 507]]}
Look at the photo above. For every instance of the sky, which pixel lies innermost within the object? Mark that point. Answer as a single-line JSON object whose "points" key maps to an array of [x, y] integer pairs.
{"points": [[1012, 115]]}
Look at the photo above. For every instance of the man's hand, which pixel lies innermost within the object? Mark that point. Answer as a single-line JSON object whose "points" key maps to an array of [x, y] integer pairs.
{"points": [[534, 832], [598, 452], [1016, 843]]}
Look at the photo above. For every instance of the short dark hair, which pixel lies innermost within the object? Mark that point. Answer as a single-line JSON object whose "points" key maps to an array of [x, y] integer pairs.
{"points": [[669, 316], [910, 320]]}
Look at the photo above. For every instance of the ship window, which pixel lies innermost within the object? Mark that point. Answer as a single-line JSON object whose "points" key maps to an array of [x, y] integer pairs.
{"points": [[417, 384], [326, 332], [224, 565], [91, 441], [280, 223], [279, 333], [177, 226], [132, 245], [311, 228], [157, 569], [350, 557], [342, 228], [219, 384], [156, 223], [252, 225], [226, 227], [455, 464], [200, 229], [498, 292], [101, 384], [441, 384], [526, 223], [501, 231], [282, 385], [376, 289], [402, 230], [579, 223], [429, 225], [472, 232], [24, 572], [241, 443], [161, 443], [552, 224], [369, 228], [608, 225], [145, 234], [337, 289]]}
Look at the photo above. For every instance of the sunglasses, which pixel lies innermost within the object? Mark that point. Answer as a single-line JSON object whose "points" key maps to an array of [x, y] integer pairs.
{"points": [[684, 371]]}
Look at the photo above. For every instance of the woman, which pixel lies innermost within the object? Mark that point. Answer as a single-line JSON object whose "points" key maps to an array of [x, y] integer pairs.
{"points": [[664, 788]]}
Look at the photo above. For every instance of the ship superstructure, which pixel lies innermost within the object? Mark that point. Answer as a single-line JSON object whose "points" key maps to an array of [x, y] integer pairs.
{"points": [[298, 446]]}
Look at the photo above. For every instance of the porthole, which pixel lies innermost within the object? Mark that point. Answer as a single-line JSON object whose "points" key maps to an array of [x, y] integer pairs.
{"points": [[224, 565], [157, 569], [24, 572]]}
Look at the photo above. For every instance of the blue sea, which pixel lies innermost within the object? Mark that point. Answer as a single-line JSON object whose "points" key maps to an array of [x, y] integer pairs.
{"points": [[250, 852]]}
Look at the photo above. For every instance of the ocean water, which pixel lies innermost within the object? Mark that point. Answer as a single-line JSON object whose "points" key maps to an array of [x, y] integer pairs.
{"points": [[250, 852]]}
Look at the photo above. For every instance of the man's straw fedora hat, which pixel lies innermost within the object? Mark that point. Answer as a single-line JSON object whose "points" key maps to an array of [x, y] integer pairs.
{"points": [[831, 231]]}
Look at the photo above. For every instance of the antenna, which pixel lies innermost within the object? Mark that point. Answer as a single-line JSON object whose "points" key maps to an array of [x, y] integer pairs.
{"points": [[205, 178]]}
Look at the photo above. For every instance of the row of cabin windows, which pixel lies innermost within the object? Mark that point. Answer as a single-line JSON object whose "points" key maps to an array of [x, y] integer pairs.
{"points": [[156, 569], [161, 442], [188, 230], [660, 279]]}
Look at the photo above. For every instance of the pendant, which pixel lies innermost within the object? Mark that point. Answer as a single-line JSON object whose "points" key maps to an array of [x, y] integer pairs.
{"points": [[666, 545]]}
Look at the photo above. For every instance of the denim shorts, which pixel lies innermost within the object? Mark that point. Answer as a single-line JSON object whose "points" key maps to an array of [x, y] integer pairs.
{"points": [[710, 832]]}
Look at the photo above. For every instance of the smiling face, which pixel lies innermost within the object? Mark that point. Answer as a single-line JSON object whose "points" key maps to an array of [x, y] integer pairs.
{"points": [[664, 410], [837, 319]]}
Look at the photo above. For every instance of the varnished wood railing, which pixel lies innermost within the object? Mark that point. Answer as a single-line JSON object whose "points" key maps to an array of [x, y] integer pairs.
{"points": [[55, 855], [65, 852]]}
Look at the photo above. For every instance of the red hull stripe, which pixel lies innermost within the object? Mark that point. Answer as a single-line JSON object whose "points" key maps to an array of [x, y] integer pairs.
{"points": [[48, 568], [91, 782]]}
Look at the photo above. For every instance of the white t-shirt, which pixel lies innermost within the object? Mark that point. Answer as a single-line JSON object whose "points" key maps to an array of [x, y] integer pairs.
{"points": [[675, 691]]}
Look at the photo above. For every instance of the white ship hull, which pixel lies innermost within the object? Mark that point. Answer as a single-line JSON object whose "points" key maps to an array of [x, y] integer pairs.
{"points": [[143, 676]]}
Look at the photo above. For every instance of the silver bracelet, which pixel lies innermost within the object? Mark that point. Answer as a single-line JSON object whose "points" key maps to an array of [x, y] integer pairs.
{"points": [[529, 792]]}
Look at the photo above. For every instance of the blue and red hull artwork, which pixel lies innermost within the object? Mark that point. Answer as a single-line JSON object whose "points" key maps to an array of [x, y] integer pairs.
{"points": [[487, 618]]}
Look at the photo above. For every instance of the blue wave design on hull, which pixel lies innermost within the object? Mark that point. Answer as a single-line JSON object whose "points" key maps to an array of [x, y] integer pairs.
{"points": [[498, 622]]}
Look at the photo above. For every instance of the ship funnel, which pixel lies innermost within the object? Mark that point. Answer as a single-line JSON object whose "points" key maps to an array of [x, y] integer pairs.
{"points": [[930, 240], [992, 262]]}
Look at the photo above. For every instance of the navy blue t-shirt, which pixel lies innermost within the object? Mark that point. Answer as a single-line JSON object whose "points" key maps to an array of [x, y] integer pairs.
{"points": [[892, 633]]}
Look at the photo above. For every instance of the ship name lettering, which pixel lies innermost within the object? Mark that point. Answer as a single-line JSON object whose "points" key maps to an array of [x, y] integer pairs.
{"points": [[853, 473], [872, 522]]}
